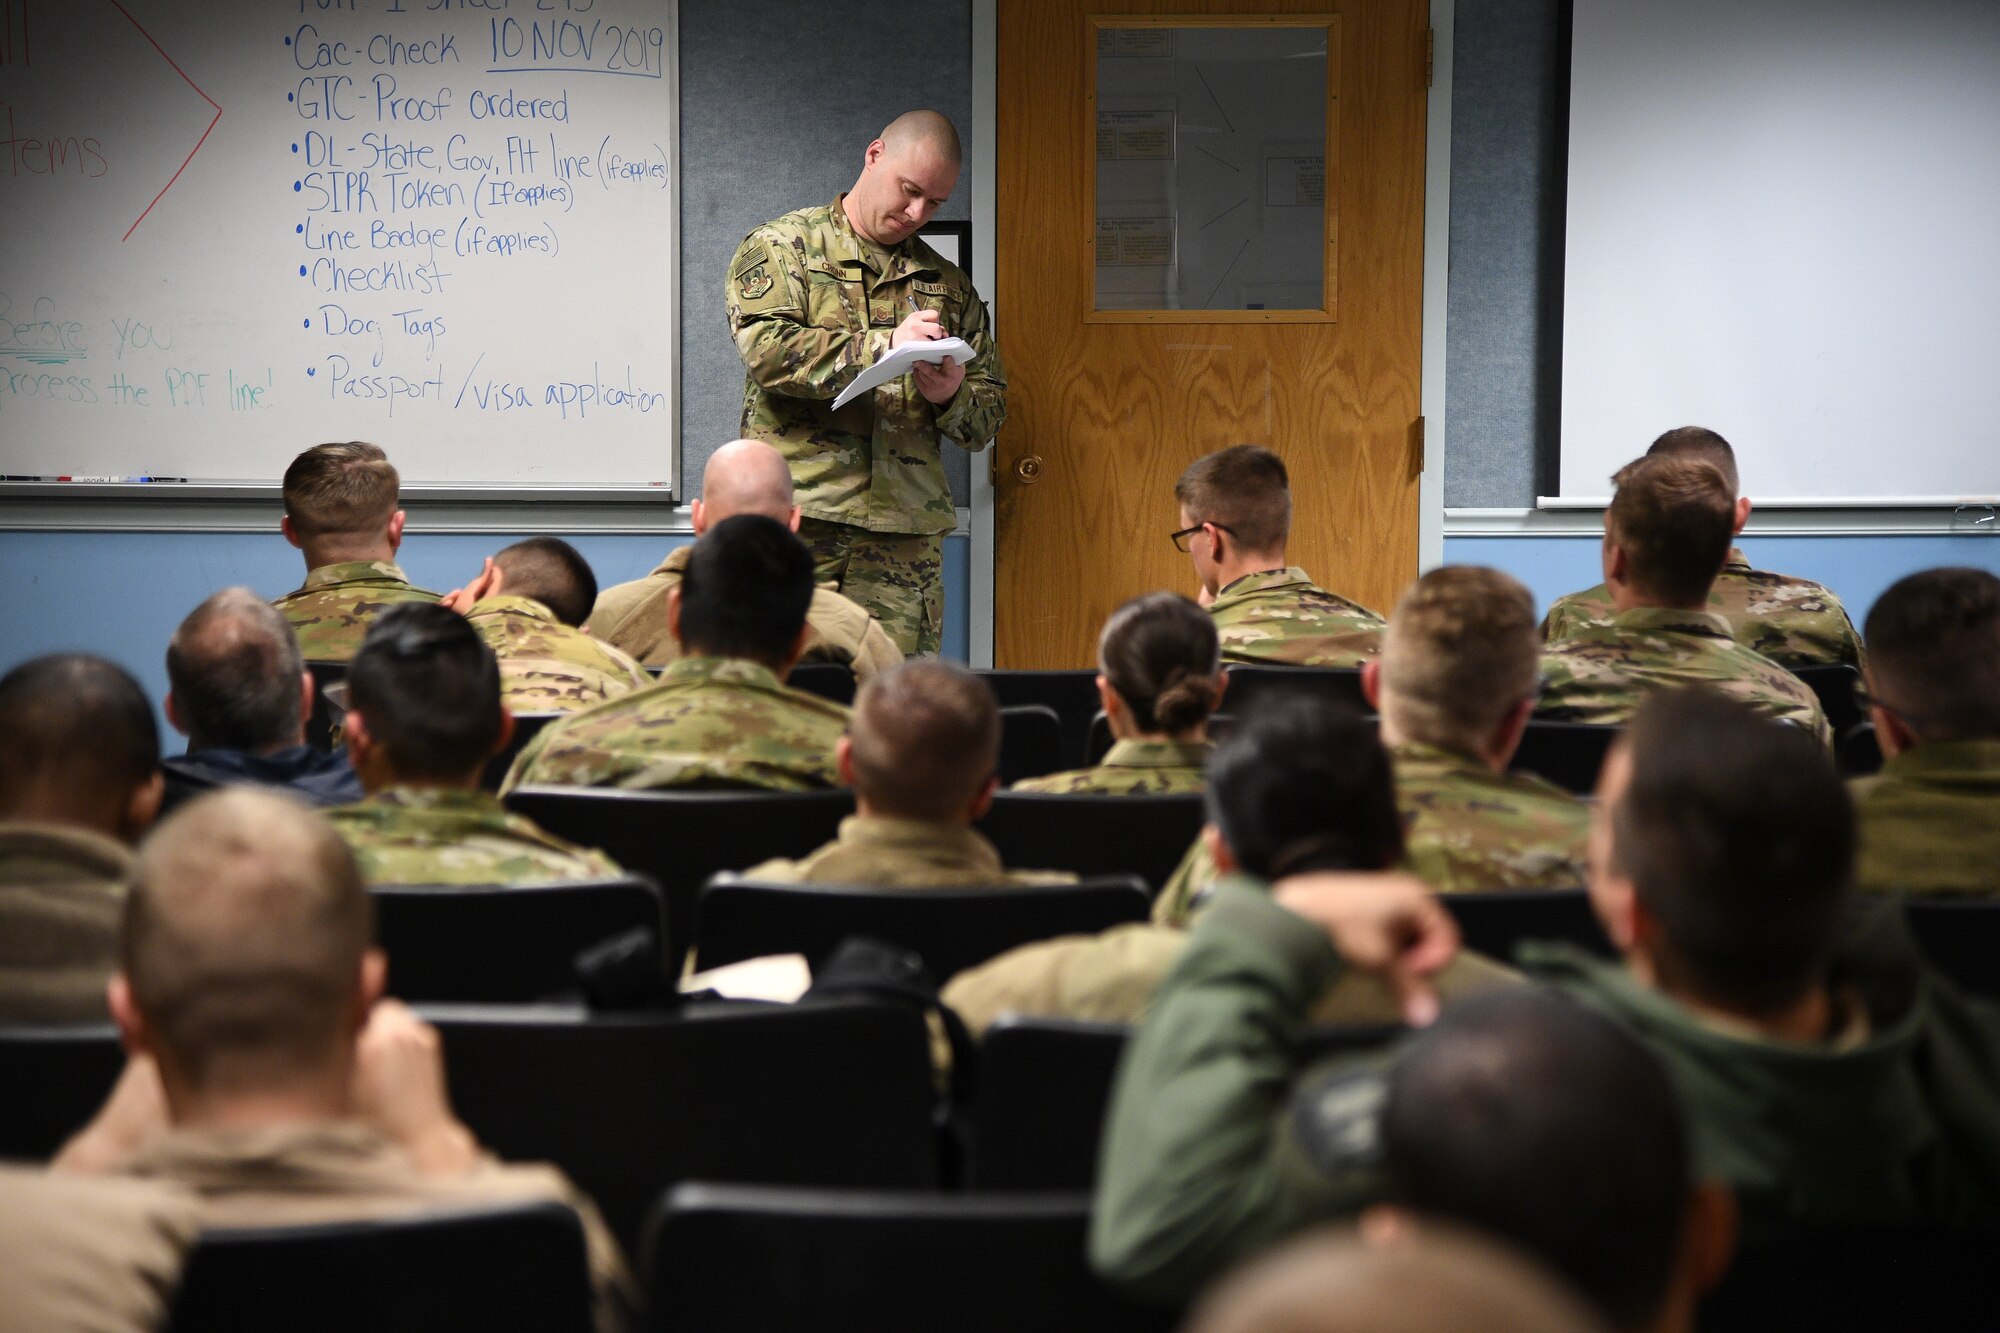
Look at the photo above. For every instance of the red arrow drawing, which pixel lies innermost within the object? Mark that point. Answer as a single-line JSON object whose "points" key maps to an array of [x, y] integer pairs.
{"points": [[198, 92]]}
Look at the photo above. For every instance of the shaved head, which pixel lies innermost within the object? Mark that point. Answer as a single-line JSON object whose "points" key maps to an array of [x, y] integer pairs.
{"points": [[906, 175], [923, 131], [746, 477]]}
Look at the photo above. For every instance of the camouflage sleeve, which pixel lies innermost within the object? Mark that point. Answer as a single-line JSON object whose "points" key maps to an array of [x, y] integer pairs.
{"points": [[783, 351], [974, 414], [517, 773]]}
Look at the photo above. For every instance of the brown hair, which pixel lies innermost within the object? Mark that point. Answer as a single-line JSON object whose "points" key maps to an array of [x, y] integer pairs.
{"points": [[234, 666], [341, 490], [1461, 650], [1243, 488], [1699, 442], [1934, 648], [243, 936], [1161, 654], [924, 739], [78, 725], [1674, 518]]}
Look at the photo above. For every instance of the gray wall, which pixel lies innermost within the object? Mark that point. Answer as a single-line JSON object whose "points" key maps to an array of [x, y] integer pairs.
{"points": [[779, 98], [1503, 324]]}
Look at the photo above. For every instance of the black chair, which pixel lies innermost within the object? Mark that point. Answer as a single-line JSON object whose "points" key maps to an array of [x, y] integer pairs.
{"points": [[1835, 684], [500, 944], [952, 929], [1852, 1278], [1071, 694], [828, 680], [1860, 752], [52, 1081], [1566, 753], [1340, 684], [1031, 742], [1093, 835], [1101, 739], [1961, 937], [328, 712], [680, 838], [1044, 1087], [520, 1267], [527, 726], [1493, 921], [833, 1093], [740, 1259]]}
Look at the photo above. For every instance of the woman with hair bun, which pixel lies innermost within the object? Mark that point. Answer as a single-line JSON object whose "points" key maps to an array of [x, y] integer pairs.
{"points": [[1159, 674]]}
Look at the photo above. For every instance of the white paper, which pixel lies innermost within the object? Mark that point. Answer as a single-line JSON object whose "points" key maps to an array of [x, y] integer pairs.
{"points": [[779, 976], [898, 360]]}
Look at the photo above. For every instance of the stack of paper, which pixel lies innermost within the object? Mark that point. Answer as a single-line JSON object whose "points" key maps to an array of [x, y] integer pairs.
{"points": [[898, 360]]}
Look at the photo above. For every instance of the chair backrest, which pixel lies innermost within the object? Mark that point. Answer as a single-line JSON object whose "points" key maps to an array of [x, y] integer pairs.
{"points": [[834, 1093], [1860, 1277], [1044, 1086], [527, 726], [1961, 937], [1493, 921], [323, 723], [502, 944], [1834, 683], [1860, 752], [952, 929], [1101, 738], [52, 1080], [680, 838], [1072, 694], [1093, 835], [1031, 742], [517, 1268], [738, 1259], [1249, 681], [1566, 753], [828, 680]]}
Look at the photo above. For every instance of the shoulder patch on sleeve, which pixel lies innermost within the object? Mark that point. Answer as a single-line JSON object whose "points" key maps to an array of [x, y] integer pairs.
{"points": [[1338, 1120], [757, 279]]}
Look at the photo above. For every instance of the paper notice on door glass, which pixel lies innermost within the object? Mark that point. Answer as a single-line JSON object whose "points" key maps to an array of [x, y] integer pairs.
{"points": [[1135, 136], [1295, 182], [1135, 242], [1153, 43]]}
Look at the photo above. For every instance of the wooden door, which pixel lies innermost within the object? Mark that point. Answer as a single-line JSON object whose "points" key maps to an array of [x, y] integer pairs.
{"points": [[1103, 414]]}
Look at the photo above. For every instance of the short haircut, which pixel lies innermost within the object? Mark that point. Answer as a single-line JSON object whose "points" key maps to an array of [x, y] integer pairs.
{"points": [[748, 583], [243, 936], [747, 477], [1528, 1116], [552, 572], [1674, 518], [1160, 652], [1934, 651], [74, 723], [1739, 838], [924, 739], [1243, 488], [1462, 649], [926, 127], [1302, 783], [347, 490], [1699, 442], [234, 666], [428, 688]]}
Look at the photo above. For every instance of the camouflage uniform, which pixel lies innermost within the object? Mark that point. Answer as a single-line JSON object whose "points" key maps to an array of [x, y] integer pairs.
{"points": [[1600, 674], [1465, 828], [1132, 768], [332, 612], [1280, 616], [710, 722], [547, 666], [410, 835], [811, 304], [1794, 622], [634, 617], [62, 890], [880, 852], [1929, 822]]}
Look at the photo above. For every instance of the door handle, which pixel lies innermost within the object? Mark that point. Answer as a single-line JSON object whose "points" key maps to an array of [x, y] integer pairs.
{"points": [[1029, 469]]}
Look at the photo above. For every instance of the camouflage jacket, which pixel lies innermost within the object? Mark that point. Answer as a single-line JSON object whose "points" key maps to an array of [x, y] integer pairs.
{"points": [[332, 612], [62, 890], [1929, 822], [634, 617], [1281, 616], [410, 835], [811, 305], [880, 852], [710, 722], [1600, 674], [1794, 622], [1470, 828], [547, 666], [1132, 768]]}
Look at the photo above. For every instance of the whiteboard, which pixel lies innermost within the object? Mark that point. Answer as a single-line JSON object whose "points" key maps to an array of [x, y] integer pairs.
{"points": [[1780, 225], [229, 230]]}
